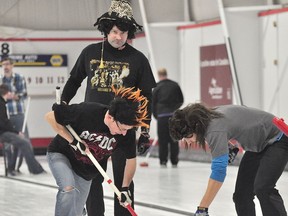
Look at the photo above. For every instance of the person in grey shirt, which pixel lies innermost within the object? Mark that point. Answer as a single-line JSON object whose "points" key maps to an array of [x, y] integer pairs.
{"points": [[264, 160]]}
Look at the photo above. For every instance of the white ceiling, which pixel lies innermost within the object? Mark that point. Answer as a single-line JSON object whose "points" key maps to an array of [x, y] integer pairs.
{"points": [[82, 14]]}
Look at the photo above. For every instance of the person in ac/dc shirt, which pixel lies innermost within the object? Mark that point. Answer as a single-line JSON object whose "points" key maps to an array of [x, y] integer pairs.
{"points": [[112, 62], [102, 129]]}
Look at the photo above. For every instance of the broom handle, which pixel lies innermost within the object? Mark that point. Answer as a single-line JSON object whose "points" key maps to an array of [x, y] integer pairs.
{"points": [[103, 173], [150, 150], [26, 114]]}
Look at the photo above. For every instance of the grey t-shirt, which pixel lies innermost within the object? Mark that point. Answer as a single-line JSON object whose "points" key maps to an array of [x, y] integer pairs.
{"points": [[251, 128]]}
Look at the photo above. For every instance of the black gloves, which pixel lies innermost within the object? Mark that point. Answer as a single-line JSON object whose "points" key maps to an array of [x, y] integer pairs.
{"points": [[233, 151], [56, 106], [143, 142], [201, 211], [125, 196], [78, 145]]}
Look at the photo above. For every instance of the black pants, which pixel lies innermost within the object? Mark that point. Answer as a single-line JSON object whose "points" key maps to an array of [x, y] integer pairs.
{"points": [[258, 174], [164, 139], [17, 122], [95, 203]]}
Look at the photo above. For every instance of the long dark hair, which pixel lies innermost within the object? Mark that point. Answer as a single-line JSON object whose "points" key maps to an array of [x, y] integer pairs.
{"points": [[194, 118]]}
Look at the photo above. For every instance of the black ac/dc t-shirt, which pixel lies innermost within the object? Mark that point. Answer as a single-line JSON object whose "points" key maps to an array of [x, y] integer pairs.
{"points": [[87, 119]]}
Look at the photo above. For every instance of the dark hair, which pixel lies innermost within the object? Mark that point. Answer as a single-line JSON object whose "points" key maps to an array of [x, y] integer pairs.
{"points": [[194, 118], [106, 25], [120, 14], [7, 59], [4, 89], [129, 107]]}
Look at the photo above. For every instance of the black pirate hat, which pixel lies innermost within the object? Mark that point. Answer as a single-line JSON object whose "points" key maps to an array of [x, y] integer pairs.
{"points": [[119, 10]]}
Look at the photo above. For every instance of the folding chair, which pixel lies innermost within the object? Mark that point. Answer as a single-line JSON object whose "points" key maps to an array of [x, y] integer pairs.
{"points": [[5, 159]]}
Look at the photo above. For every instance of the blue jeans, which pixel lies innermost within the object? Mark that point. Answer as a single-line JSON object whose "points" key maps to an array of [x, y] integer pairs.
{"points": [[258, 174], [26, 148], [72, 189]]}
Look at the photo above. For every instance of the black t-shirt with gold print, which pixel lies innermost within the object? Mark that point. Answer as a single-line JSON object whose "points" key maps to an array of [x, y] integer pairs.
{"points": [[127, 67]]}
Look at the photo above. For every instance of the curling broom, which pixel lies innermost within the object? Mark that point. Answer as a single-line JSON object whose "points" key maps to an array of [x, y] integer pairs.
{"points": [[145, 163]]}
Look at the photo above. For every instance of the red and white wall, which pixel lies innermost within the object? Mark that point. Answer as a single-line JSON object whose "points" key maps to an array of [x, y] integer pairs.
{"points": [[259, 47]]}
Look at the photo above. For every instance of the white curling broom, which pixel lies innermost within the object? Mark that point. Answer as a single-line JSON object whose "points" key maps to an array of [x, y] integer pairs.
{"points": [[26, 114]]}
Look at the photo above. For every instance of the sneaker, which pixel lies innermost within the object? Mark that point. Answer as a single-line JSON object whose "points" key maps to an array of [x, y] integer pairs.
{"points": [[12, 173], [18, 172], [174, 165], [42, 172], [163, 165]]}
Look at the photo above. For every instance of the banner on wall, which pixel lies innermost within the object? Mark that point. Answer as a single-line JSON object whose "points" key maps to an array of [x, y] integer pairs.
{"points": [[215, 75], [42, 72]]}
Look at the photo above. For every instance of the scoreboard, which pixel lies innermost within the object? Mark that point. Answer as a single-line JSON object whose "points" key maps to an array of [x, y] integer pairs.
{"points": [[42, 72]]}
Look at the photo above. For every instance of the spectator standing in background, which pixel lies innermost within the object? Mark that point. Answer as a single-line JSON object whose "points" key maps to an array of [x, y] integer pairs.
{"points": [[167, 97], [15, 105]]}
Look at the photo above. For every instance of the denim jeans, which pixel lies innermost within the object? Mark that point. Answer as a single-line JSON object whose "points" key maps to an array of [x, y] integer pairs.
{"points": [[26, 148], [258, 174], [69, 202]]}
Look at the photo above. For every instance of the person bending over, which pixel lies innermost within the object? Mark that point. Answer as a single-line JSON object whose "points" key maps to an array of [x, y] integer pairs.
{"points": [[264, 160], [102, 129]]}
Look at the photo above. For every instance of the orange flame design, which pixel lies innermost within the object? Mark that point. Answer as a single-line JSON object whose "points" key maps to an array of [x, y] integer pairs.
{"points": [[129, 93]]}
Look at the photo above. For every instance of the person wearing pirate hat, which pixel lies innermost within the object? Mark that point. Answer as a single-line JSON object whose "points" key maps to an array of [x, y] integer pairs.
{"points": [[121, 12], [112, 62], [102, 129]]}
